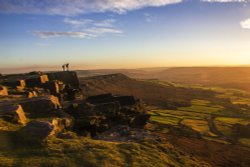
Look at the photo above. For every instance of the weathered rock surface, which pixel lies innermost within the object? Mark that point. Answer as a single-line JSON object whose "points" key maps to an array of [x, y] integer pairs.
{"points": [[13, 113], [31, 94], [36, 105], [40, 131], [67, 77], [23, 80], [36, 80], [140, 120], [61, 124], [40, 98], [39, 105], [36, 132], [99, 117], [126, 134], [3, 91], [54, 87], [14, 83]]}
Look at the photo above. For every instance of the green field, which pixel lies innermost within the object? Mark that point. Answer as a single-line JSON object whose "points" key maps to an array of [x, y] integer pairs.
{"points": [[231, 121], [198, 114], [200, 126], [202, 106]]}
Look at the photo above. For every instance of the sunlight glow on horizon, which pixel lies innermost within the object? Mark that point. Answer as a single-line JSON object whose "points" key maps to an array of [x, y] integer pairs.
{"points": [[169, 33]]}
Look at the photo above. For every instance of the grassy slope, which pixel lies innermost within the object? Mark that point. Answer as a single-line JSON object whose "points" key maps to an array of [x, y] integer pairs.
{"points": [[150, 92], [92, 153]]}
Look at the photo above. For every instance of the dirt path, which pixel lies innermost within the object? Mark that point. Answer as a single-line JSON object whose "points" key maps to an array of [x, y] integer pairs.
{"points": [[214, 129]]}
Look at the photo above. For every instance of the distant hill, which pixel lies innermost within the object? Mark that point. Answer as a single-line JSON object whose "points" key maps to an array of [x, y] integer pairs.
{"points": [[149, 91], [231, 77]]}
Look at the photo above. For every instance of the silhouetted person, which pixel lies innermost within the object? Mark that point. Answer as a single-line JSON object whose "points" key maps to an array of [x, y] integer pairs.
{"points": [[67, 66], [63, 67]]}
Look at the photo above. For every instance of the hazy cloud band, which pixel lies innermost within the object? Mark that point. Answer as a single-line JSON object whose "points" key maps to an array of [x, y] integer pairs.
{"points": [[76, 7]]}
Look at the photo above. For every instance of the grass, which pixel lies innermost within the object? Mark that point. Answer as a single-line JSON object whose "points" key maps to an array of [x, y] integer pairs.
{"points": [[224, 128], [200, 126], [93, 153], [212, 138], [231, 120], [201, 109], [178, 114], [244, 141], [7, 126], [165, 120], [183, 114], [200, 102], [225, 124], [202, 106], [237, 100]]}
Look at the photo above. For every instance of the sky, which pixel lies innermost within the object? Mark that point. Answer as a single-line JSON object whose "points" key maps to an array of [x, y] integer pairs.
{"points": [[105, 34]]}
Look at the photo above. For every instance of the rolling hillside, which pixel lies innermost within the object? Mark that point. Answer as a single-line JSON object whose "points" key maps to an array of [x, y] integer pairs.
{"points": [[150, 91], [210, 123], [231, 77]]}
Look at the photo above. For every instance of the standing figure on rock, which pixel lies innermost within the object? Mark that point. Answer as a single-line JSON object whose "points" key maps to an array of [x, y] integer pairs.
{"points": [[67, 66], [63, 67]]}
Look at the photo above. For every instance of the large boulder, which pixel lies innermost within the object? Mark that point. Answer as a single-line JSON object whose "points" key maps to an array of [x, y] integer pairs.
{"points": [[140, 120], [13, 113], [37, 106], [12, 82], [67, 77], [38, 132], [31, 94], [102, 112], [3, 91], [54, 87], [23, 80], [99, 98], [36, 80], [61, 124], [40, 105]]}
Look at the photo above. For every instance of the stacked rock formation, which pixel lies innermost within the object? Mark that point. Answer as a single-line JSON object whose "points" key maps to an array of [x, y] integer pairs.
{"points": [[55, 104]]}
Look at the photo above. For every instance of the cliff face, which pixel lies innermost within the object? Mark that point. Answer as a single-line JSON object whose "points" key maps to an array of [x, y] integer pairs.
{"points": [[67, 77]]}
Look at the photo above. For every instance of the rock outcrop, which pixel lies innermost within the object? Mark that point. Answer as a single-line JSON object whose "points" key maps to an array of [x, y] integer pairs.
{"points": [[54, 87], [14, 83], [36, 80], [13, 113], [124, 133], [37, 132], [67, 77], [40, 105], [24, 80], [56, 99], [36, 105], [106, 111], [3, 91]]}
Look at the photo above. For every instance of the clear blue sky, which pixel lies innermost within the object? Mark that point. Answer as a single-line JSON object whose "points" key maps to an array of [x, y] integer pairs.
{"points": [[42, 35]]}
